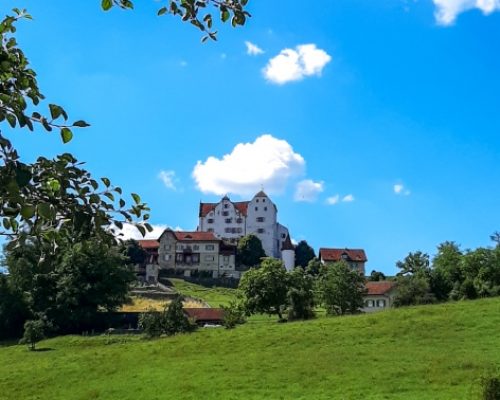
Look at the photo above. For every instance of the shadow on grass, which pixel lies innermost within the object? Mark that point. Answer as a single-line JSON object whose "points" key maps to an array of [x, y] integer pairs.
{"points": [[42, 349]]}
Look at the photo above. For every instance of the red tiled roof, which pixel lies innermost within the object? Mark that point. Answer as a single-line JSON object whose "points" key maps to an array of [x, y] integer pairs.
{"points": [[195, 236], [205, 314], [205, 208], [332, 255], [381, 287], [149, 244]]}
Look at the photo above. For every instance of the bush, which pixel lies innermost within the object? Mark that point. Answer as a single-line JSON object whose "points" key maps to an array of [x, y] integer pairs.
{"points": [[151, 323], [34, 331], [490, 388], [234, 314]]}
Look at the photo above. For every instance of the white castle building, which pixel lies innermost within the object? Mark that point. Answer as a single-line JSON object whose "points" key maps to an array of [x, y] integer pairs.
{"points": [[230, 221]]}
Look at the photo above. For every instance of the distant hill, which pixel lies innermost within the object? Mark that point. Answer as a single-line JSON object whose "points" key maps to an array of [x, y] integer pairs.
{"points": [[428, 352]]}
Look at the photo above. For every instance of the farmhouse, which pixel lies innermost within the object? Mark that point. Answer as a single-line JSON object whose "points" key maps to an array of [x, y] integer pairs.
{"points": [[379, 295], [356, 258]]}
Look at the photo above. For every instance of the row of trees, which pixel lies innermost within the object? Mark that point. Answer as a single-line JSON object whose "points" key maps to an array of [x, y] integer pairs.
{"points": [[453, 274], [272, 290]]}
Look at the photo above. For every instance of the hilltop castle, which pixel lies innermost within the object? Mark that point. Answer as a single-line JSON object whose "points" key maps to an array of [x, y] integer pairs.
{"points": [[230, 221]]}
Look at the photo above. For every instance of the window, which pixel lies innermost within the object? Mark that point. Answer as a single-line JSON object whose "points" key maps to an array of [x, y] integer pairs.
{"points": [[226, 205], [229, 220], [195, 258], [225, 260], [179, 258], [209, 247], [167, 247], [178, 247], [260, 230], [196, 247], [265, 208], [283, 236], [380, 303], [239, 220], [210, 230], [228, 230], [257, 200], [209, 258], [260, 219], [370, 303], [256, 208], [210, 220], [263, 200], [225, 213], [167, 257]]}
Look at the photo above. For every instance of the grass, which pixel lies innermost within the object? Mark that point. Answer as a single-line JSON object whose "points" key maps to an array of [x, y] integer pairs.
{"points": [[430, 352], [144, 304], [215, 296]]}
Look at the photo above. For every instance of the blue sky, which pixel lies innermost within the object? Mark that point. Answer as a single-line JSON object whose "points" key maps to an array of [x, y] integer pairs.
{"points": [[384, 115]]}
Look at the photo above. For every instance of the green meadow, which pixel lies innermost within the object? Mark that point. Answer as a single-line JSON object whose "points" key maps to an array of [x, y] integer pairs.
{"points": [[428, 352], [215, 296]]}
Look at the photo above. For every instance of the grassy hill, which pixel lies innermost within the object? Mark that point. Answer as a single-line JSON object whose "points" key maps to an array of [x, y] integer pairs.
{"points": [[431, 352], [215, 296]]}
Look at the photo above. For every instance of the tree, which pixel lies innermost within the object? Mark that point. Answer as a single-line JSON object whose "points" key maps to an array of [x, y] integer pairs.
{"points": [[249, 251], [70, 288], [342, 289], [414, 263], [34, 331], [265, 289], [376, 276], [303, 254], [413, 290], [134, 251], [234, 314], [314, 267], [446, 270], [13, 309], [175, 321], [300, 294]]}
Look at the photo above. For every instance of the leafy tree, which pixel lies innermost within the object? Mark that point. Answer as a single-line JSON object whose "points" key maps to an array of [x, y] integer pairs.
{"points": [[495, 237], [34, 331], [249, 251], [314, 267], [342, 289], [190, 10], [134, 251], [265, 289], [71, 287], [13, 309], [303, 254], [151, 323], [446, 270], [300, 294], [414, 263], [412, 290], [376, 276], [175, 321]]}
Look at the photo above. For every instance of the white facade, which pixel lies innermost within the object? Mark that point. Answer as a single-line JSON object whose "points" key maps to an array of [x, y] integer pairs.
{"points": [[232, 220]]}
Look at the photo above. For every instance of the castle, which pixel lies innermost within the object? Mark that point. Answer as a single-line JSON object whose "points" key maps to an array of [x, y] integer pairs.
{"points": [[230, 221]]}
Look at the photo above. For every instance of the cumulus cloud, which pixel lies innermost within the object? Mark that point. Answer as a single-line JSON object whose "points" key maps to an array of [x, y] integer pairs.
{"points": [[448, 10], [331, 201], [168, 179], [400, 190], [295, 64], [267, 162], [253, 49], [308, 190], [129, 231]]}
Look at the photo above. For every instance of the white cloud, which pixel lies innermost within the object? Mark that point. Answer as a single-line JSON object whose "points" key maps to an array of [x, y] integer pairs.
{"points": [[348, 198], [295, 64], [267, 162], [168, 179], [129, 231], [253, 49], [308, 190], [400, 189], [448, 10], [333, 200]]}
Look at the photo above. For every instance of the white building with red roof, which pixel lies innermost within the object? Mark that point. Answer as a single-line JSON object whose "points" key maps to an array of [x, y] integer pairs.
{"points": [[230, 221], [379, 295]]}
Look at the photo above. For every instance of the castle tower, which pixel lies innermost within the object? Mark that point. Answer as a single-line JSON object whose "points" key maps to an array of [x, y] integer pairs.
{"points": [[288, 254]]}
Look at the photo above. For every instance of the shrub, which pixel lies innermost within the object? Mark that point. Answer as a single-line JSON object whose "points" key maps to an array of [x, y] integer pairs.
{"points": [[234, 314], [34, 331], [490, 388], [151, 323]]}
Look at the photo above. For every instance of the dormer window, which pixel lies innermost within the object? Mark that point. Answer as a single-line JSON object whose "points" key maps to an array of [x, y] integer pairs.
{"points": [[226, 205]]}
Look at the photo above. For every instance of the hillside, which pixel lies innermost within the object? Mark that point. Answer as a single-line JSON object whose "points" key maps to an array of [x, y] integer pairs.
{"points": [[431, 352]]}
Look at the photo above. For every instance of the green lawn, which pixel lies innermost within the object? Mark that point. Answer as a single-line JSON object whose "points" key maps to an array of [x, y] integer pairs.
{"points": [[215, 296], [431, 352]]}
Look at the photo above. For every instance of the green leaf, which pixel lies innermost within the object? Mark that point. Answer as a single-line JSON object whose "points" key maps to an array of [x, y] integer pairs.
{"points": [[80, 124], [11, 119], [27, 211], [110, 196], [119, 225], [94, 198], [106, 181], [106, 4], [122, 203], [136, 198], [44, 210], [162, 11], [66, 135], [224, 16], [55, 111], [141, 229]]}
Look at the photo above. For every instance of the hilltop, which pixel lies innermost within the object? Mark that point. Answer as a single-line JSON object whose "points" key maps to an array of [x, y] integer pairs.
{"points": [[427, 352]]}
